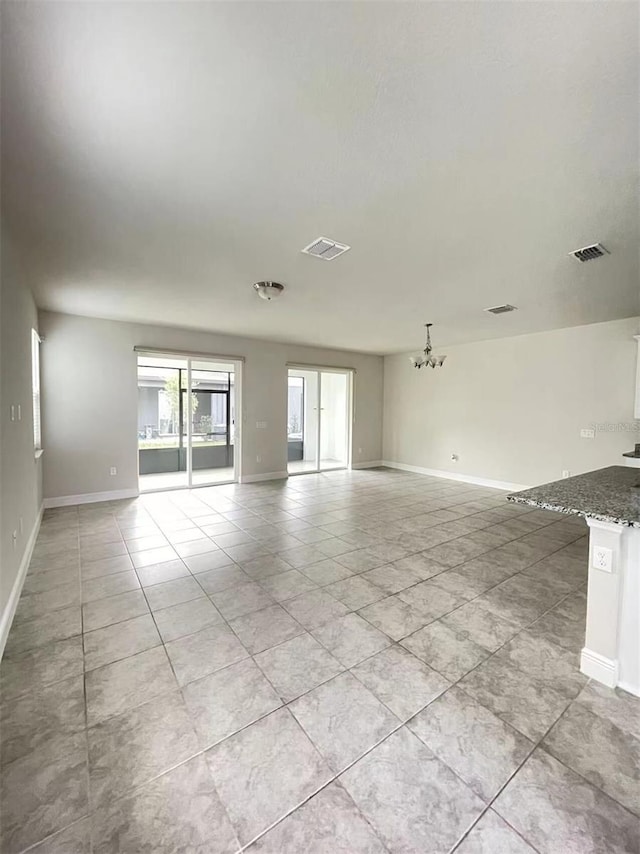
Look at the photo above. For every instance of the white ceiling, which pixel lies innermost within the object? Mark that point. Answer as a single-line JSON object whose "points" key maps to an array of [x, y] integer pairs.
{"points": [[160, 157]]}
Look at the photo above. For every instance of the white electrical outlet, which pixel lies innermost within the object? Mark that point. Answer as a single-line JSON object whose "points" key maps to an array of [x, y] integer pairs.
{"points": [[261, 425], [587, 433], [566, 473], [602, 558], [113, 471], [13, 412], [258, 459]]}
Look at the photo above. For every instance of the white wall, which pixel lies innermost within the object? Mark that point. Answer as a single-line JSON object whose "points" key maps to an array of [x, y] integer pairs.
{"points": [[20, 473], [90, 399], [512, 409]]}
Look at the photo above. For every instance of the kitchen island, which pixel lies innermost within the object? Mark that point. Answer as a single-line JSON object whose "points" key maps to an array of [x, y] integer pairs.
{"points": [[609, 500]]}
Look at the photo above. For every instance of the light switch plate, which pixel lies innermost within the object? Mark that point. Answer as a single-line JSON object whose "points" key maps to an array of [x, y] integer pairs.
{"points": [[602, 558]]}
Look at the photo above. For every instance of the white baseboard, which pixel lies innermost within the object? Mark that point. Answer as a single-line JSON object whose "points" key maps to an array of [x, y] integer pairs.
{"points": [[629, 688], [90, 498], [270, 475], [372, 465], [598, 667], [12, 603], [449, 475]]}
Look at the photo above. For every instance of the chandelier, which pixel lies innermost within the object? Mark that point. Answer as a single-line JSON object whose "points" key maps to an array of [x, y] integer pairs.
{"points": [[425, 358]]}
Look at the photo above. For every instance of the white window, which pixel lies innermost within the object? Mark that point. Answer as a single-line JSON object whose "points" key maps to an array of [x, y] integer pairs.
{"points": [[35, 386]]}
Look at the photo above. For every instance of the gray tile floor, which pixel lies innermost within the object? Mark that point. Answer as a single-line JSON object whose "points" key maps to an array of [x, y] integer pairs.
{"points": [[351, 662]]}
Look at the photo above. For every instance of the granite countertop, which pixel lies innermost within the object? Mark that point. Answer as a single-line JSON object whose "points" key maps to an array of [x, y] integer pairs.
{"points": [[609, 495]]}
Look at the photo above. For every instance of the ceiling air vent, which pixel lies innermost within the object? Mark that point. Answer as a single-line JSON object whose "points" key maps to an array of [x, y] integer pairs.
{"points": [[326, 249], [501, 309], [588, 253]]}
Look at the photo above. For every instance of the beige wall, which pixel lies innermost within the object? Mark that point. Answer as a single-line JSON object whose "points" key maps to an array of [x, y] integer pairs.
{"points": [[512, 409], [90, 399], [20, 474]]}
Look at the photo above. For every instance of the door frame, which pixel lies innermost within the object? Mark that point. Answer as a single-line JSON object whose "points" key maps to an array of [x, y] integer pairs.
{"points": [[328, 369]]}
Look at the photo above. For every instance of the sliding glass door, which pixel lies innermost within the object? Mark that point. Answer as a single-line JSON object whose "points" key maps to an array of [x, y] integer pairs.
{"points": [[213, 424], [161, 423], [186, 422], [333, 431], [318, 422]]}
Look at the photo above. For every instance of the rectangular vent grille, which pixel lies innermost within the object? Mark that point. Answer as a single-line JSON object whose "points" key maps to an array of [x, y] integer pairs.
{"points": [[588, 253], [501, 309], [326, 249]]}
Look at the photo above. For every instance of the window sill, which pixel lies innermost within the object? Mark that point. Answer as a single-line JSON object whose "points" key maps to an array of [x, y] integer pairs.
{"points": [[39, 453]]}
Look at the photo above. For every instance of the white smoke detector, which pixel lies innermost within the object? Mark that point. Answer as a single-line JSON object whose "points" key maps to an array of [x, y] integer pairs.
{"points": [[326, 249], [268, 290]]}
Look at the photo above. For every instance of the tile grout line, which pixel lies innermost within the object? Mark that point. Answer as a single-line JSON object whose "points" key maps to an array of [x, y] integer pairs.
{"points": [[285, 705], [538, 745], [445, 569]]}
